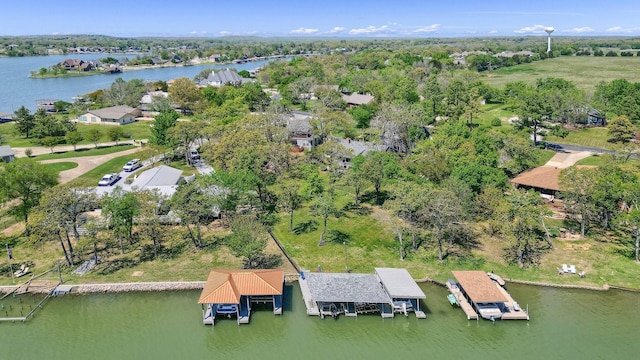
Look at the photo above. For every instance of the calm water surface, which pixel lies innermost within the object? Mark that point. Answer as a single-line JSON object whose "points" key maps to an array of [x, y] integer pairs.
{"points": [[565, 324], [18, 89]]}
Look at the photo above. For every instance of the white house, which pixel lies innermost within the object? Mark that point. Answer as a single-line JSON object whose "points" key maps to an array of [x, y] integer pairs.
{"points": [[224, 77], [115, 115]]}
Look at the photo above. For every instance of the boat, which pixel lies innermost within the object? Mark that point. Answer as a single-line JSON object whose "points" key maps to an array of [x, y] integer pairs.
{"points": [[489, 311], [496, 278], [452, 299], [227, 309]]}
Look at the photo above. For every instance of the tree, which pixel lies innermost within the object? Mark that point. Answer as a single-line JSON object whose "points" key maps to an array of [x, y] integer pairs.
{"points": [[125, 92], [440, 213], [521, 217], [24, 120], [25, 180], [533, 108], [121, 207], [378, 166], [356, 177], [162, 122], [407, 201], [620, 129], [73, 138], [185, 94], [184, 134], [50, 142], [94, 134], [115, 133], [288, 192], [631, 216], [324, 206], [400, 125], [195, 206], [577, 185], [247, 240], [149, 218]]}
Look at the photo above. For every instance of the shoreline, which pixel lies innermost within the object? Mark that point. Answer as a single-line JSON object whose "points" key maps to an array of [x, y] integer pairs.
{"points": [[160, 286]]}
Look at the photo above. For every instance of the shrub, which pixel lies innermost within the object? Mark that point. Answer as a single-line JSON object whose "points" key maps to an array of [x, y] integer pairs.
{"points": [[496, 122]]}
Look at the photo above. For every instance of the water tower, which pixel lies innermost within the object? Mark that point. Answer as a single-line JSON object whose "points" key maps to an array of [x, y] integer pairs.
{"points": [[548, 30]]}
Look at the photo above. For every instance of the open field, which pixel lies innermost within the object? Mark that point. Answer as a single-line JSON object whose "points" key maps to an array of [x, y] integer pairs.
{"points": [[137, 130], [585, 71]]}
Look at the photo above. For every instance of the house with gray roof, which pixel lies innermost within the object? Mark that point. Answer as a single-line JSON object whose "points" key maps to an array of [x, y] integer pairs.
{"points": [[357, 99], [224, 77], [6, 153], [114, 115]]}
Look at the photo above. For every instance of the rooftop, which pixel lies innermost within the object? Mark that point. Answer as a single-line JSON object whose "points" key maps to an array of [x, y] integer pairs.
{"points": [[113, 112], [342, 287], [399, 283], [479, 287], [543, 177], [158, 176], [226, 286]]}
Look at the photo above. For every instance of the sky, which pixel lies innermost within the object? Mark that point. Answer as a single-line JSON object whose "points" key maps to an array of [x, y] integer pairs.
{"points": [[322, 18]]}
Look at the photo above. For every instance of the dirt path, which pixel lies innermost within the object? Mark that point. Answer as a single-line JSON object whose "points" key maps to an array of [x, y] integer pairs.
{"points": [[85, 164]]}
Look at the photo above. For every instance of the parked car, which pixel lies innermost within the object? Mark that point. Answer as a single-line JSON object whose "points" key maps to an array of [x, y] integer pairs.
{"points": [[109, 180], [132, 165], [194, 155]]}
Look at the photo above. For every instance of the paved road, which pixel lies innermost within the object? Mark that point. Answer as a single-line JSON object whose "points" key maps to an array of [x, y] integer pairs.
{"points": [[568, 147]]}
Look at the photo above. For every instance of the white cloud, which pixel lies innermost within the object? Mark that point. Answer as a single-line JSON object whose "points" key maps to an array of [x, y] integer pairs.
{"points": [[493, 32], [368, 30], [581, 30], [427, 29], [225, 33], [530, 29], [304, 30], [622, 30], [337, 29], [198, 32]]}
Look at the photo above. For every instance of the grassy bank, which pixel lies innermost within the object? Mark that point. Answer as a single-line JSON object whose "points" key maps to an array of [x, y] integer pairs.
{"points": [[83, 152]]}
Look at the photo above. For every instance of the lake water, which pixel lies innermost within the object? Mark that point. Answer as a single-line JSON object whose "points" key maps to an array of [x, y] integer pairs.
{"points": [[18, 89], [565, 324]]}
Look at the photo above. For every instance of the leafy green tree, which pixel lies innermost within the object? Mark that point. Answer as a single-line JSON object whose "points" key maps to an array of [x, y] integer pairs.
{"points": [[24, 120], [577, 185], [73, 138], [522, 221], [324, 206], [533, 108], [440, 212], [289, 194], [195, 207], [399, 125], [630, 218], [356, 178], [620, 129], [25, 180], [184, 134], [149, 218], [115, 133], [247, 240], [125, 92], [50, 142], [185, 94], [121, 207], [161, 124], [407, 202], [94, 134], [50, 125]]}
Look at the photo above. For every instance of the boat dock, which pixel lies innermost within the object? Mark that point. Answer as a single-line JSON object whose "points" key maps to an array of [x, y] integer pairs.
{"points": [[312, 307], [461, 300], [480, 294]]}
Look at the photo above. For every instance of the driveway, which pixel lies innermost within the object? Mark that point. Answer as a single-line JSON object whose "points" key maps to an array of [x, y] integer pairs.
{"points": [[565, 159], [85, 164]]}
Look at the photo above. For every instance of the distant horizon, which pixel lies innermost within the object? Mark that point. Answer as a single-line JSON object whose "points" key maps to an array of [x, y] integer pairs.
{"points": [[286, 18]]}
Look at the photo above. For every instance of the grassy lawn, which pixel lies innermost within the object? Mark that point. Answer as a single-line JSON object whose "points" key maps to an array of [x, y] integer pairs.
{"points": [[584, 71], [92, 177], [83, 152], [595, 137], [61, 166], [137, 130]]}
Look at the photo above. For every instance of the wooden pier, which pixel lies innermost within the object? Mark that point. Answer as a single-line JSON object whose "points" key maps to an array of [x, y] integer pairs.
{"points": [[312, 307], [515, 312], [462, 301]]}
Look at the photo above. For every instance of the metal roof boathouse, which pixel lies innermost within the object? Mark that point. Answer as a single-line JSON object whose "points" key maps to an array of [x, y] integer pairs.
{"points": [[386, 292], [232, 292]]}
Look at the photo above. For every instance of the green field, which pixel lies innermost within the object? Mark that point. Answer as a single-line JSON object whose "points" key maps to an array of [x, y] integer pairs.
{"points": [[92, 177], [584, 71], [137, 130], [61, 166], [84, 152]]}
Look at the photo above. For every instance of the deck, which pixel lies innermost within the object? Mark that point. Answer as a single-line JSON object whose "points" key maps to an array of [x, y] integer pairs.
{"points": [[512, 314], [312, 307], [462, 302]]}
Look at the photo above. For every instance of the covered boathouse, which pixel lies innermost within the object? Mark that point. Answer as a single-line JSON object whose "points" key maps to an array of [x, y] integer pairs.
{"points": [[386, 292], [230, 293], [488, 297]]}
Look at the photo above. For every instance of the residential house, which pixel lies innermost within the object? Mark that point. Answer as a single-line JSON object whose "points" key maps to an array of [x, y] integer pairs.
{"points": [[357, 99], [6, 153], [72, 64], [114, 115], [224, 77], [301, 132]]}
